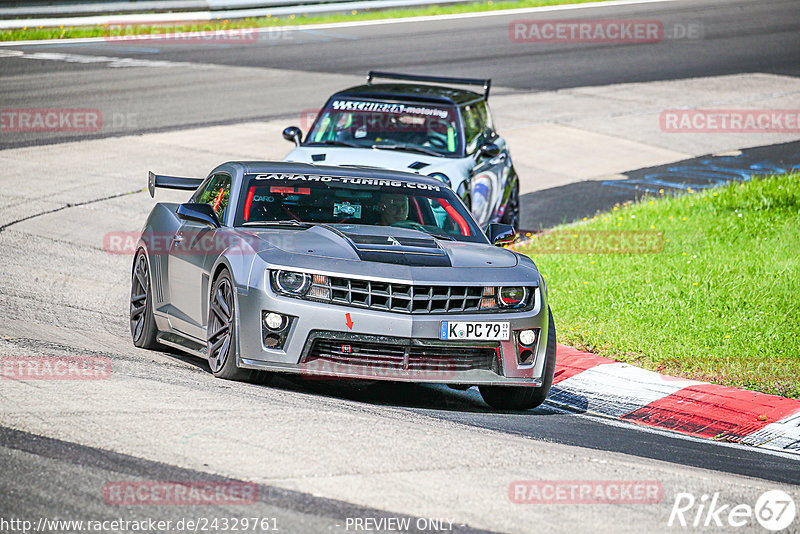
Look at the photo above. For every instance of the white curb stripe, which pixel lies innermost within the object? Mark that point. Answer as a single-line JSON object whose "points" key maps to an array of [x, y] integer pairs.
{"points": [[615, 389], [783, 435]]}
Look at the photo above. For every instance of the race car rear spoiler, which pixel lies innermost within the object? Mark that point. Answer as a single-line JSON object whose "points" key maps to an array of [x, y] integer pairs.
{"points": [[486, 84], [171, 182]]}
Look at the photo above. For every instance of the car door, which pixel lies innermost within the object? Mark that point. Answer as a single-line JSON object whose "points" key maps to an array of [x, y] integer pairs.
{"points": [[194, 249], [487, 177]]}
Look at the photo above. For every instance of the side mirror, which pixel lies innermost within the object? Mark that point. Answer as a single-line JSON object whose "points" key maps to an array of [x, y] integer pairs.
{"points": [[293, 134], [488, 150], [501, 234], [202, 213]]}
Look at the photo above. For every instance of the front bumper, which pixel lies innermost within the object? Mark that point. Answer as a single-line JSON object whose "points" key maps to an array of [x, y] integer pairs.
{"points": [[326, 340]]}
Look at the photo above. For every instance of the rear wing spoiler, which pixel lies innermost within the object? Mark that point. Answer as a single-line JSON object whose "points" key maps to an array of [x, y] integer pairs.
{"points": [[485, 83], [171, 182]]}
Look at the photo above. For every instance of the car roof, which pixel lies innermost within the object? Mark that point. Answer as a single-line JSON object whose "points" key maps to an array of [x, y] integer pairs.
{"points": [[415, 92], [287, 167]]}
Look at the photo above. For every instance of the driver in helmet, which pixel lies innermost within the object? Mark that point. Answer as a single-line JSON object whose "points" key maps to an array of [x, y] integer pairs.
{"points": [[393, 208]]}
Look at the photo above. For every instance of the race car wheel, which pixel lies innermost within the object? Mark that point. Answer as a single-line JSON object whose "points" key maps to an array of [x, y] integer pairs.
{"points": [[143, 324], [525, 398], [221, 334], [511, 213]]}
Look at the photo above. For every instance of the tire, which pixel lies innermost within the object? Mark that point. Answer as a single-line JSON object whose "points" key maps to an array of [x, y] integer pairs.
{"points": [[142, 322], [521, 397], [511, 213], [221, 334]]}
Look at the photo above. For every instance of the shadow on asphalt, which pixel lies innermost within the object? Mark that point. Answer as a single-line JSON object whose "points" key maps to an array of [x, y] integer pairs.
{"points": [[436, 397], [377, 392]]}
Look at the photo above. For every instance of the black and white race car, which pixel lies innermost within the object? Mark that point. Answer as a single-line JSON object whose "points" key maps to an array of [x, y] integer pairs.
{"points": [[433, 130]]}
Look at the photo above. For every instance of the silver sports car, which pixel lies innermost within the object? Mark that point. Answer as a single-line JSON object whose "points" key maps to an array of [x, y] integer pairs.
{"points": [[341, 272]]}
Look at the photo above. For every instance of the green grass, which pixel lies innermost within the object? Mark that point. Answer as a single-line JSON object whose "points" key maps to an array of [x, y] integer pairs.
{"points": [[720, 302], [36, 33]]}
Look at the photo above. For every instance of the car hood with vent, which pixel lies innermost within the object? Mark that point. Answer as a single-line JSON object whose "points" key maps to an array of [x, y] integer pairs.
{"points": [[455, 168], [372, 245]]}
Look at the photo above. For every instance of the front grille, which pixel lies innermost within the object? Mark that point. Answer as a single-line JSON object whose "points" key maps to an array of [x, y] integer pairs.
{"points": [[368, 355], [403, 298]]}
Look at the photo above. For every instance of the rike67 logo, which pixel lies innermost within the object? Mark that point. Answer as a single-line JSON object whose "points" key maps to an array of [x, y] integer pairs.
{"points": [[774, 510]]}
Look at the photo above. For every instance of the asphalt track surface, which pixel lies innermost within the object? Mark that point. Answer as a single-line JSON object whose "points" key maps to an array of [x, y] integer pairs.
{"points": [[278, 78]]}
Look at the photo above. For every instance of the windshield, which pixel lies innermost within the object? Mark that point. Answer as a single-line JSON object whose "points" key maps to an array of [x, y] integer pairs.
{"points": [[269, 199], [426, 129]]}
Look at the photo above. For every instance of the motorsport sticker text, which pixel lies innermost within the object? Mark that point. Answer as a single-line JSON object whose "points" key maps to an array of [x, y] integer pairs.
{"points": [[345, 180]]}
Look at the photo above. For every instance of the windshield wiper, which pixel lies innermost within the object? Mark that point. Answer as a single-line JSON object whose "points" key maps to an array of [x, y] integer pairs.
{"points": [[331, 142], [409, 148], [286, 222], [440, 236]]}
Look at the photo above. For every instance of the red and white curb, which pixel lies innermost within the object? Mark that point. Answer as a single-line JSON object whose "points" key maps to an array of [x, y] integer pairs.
{"points": [[602, 386]]}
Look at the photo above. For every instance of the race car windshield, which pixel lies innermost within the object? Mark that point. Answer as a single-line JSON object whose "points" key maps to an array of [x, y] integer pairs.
{"points": [[290, 200], [426, 129]]}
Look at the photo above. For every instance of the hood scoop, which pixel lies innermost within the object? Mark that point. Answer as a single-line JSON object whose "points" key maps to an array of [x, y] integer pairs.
{"points": [[318, 157], [415, 251], [417, 165]]}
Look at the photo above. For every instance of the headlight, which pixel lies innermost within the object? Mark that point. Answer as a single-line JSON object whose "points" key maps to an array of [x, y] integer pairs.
{"points": [[494, 298], [442, 177], [291, 283], [512, 297]]}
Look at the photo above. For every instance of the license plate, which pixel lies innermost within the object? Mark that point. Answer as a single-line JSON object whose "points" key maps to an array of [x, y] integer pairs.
{"points": [[475, 330]]}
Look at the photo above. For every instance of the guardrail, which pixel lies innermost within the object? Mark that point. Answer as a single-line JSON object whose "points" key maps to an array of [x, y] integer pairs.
{"points": [[34, 14]]}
